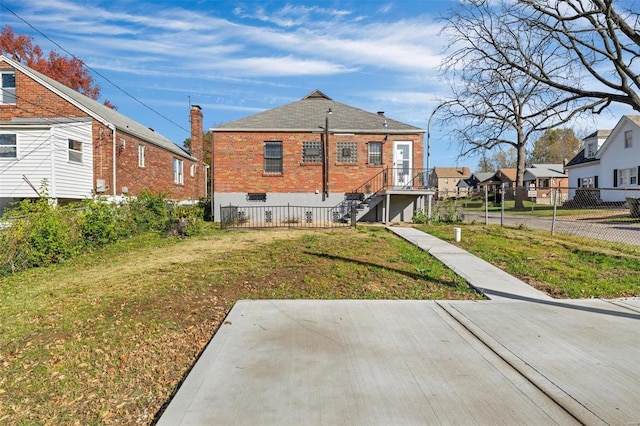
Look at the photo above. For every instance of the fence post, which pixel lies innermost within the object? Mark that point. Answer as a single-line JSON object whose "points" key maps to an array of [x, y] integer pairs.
{"points": [[486, 205], [555, 203], [354, 213], [502, 191]]}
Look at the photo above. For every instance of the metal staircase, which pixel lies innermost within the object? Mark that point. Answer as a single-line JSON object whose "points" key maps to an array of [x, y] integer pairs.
{"points": [[366, 197]]}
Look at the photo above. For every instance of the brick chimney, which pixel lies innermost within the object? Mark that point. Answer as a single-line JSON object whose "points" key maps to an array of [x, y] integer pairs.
{"points": [[196, 132], [197, 150]]}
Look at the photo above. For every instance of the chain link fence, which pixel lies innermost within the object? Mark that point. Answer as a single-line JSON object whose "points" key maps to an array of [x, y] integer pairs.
{"points": [[611, 214]]}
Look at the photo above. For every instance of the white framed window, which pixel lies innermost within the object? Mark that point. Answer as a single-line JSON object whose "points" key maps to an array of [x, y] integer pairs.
{"points": [[628, 177], [192, 170], [591, 150], [140, 155], [75, 151], [178, 171], [8, 145], [588, 182], [7, 87], [375, 153], [347, 152], [628, 139]]}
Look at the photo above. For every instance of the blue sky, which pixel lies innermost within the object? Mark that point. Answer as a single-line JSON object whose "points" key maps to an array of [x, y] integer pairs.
{"points": [[237, 58]]}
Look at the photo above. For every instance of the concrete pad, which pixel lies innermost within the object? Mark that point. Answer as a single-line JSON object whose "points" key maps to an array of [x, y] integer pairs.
{"points": [[585, 354], [487, 279], [356, 363]]}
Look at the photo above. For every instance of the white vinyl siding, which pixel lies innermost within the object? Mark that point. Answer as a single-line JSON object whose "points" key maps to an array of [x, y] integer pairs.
{"points": [[43, 156]]}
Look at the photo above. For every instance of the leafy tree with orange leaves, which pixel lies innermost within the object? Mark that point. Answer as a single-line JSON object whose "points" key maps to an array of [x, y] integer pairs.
{"points": [[69, 71]]}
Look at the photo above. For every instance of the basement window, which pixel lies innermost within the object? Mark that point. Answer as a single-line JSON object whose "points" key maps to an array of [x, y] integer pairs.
{"points": [[260, 196]]}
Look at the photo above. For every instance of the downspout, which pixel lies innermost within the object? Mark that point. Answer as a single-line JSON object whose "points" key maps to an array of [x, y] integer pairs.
{"points": [[113, 131]]}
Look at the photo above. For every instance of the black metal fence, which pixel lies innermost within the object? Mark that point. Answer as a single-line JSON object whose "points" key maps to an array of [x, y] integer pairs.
{"points": [[283, 217]]}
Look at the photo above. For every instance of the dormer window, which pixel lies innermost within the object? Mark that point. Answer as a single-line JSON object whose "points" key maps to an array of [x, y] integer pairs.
{"points": [[591, 150]]}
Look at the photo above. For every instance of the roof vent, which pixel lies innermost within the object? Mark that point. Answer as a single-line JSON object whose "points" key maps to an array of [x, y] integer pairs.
{"points": [[380, 112]]}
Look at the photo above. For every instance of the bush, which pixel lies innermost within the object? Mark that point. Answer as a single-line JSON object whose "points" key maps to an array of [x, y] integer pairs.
{"points": [[41, 233], [99, 222]]}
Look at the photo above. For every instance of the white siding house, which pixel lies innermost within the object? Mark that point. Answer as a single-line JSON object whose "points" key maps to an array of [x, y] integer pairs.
{"points": [[56, 157], [610, 160]]}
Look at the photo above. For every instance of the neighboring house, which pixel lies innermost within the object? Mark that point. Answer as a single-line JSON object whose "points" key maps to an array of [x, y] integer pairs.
{"points": [[615, 164], [446, 179], [52, 136], [548, 181], [280, 157], [584, 169], [477, 182]]}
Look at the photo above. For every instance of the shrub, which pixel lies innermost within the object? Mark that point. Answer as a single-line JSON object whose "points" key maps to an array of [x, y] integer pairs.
{"points": [[41, 234], [99, 222]]}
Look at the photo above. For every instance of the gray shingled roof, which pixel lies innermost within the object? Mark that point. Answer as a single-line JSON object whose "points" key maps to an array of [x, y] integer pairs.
{"points": [[122, 122], [308, 115]]}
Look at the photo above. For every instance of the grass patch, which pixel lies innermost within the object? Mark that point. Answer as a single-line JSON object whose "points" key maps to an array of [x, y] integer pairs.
{"points": [[106, 337], [562, 266]]}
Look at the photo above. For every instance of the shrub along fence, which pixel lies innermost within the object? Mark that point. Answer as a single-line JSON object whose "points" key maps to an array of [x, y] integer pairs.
{"points": [[40, 233]]}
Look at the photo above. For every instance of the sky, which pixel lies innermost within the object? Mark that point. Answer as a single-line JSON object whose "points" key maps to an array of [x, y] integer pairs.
{"points": [[153, 59]]}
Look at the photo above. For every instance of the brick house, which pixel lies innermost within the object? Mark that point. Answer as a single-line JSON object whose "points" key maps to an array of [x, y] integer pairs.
{"points": [[447, 179], [80, 148], [277, 157], [548, 181]]}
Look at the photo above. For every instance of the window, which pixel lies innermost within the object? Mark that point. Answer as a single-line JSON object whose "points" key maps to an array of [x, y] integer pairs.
{"points": [[311, 152], [543, 183], [140, 155], [375, 153], [627, 177], [273, 158], [591, 150], [628, 139], [347, 152], [8, 145], [7, 87], [75, 151], [589, 182], [178, 171]]}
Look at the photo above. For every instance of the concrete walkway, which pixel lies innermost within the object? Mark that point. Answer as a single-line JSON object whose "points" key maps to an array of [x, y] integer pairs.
{"points": [[487, 279]]}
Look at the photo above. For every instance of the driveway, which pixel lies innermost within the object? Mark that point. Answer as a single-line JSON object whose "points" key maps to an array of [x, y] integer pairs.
{"points": [[417, 362]]}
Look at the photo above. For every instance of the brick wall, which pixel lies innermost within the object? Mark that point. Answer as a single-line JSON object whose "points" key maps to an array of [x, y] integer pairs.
{"points": [[239, 162], [37, 101]]}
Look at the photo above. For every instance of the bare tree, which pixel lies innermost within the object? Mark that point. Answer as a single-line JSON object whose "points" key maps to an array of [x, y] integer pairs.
{"points": [[495, 104], [597, 42]]}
